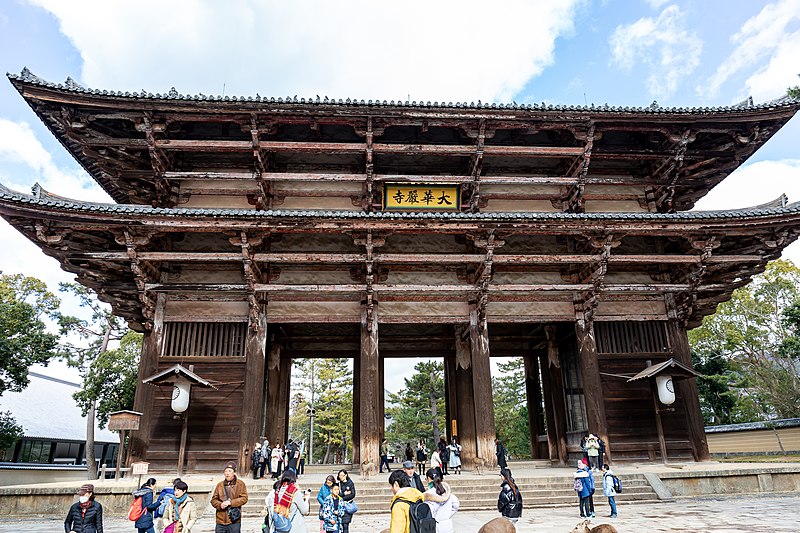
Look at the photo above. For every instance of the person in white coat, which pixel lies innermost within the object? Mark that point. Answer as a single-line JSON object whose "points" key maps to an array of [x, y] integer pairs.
{"points": [[441, 500], [455, 456], [299, 507]]}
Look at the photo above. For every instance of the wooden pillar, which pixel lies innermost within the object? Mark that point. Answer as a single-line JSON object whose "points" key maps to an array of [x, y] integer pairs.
{"points": [[465, 400], [592, 385], [356, 410], [533, 397], [381, 403], [482, 388], [278, 370], [687, 389], [549, 416], [145, 394], [450, 396], [370, 389], [284, 393], [251, 423], [557, 395]]}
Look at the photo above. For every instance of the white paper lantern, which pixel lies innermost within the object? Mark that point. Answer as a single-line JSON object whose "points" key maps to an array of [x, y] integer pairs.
{"points": [[666, 390], [180, 394]]}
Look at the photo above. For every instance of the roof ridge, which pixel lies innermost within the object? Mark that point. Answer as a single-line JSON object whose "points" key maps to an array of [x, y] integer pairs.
{"points": [[26, 76]]}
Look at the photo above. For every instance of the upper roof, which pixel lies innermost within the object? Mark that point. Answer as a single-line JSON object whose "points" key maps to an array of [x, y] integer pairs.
{"points": [[142, 148]]}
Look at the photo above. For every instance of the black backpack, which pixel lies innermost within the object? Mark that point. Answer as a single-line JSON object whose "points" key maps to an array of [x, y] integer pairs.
{"points": [[421, 455], [420, 517]]}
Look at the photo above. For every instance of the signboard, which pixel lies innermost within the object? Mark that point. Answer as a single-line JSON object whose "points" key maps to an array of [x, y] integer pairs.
{"points": [[122, 420], [139, 469], [454, 426], [421, 197]]}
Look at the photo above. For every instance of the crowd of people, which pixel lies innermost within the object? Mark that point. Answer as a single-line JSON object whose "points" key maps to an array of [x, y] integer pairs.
{"points": [[286, 506]]}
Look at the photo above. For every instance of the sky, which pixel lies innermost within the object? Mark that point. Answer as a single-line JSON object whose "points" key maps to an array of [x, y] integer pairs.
{"points": [[620, 52]]}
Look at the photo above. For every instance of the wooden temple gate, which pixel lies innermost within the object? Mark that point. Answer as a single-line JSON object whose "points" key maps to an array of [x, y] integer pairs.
{"points": [[251, 231]]}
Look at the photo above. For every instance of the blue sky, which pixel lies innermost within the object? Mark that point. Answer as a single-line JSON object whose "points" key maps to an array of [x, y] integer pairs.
{"points": [[631, 52]]}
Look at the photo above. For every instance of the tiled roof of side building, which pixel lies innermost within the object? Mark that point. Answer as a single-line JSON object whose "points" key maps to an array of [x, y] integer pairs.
{"points": [[27, 77], [42, 198]]}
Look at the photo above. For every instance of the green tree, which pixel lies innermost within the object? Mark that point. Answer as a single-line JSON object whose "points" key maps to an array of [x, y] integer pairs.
{"points": [[722, 400], [510, 408], [794, 92], [10, 431], [85, 343], [417, 411], [334, 420], [24, 340], [751, 332]]}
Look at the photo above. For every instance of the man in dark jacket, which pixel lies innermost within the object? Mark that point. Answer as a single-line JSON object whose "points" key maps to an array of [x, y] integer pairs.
{"points": [[145, 522], [413, 477], [230, 493], [500, 452], [85, 515]]}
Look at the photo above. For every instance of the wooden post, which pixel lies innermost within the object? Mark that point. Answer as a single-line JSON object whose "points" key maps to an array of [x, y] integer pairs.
{"points": [[369, 374], [450, 396], [145, 394], [282, 409], [687, 390], [251, 423], [356, 410], [533, 397], [549, 416], [482, 388], [182, 448], [592, 385], [557, 394], [381, 406], [659, 426], [119, 453]]}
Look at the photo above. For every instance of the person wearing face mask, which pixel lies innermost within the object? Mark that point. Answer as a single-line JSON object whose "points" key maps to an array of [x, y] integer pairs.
{"points": [[181, 512], [85, 515]]}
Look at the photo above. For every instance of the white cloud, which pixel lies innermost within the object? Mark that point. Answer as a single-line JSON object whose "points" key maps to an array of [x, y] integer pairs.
{"points": [[765, 35], [445, 50], [755, 184], [656, 4], [663, 44]]}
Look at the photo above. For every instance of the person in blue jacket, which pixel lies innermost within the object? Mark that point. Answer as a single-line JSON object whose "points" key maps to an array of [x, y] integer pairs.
{"points": [[584, 475], [145, 522]]}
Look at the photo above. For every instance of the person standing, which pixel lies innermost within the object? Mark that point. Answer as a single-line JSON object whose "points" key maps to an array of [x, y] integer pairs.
{"points": [[404, 496], [181, 513], [608, 490], [593, 451], [436, 461], [298, 507], [455, 456], [414, 479], [347, 491], [85, 515], [384, 456], [256, 459], [501, 453], [229, 497], [144, 524], [301, 464], [263, 461], [509, 503], [422, 457], [276, 458], [324, 491], [292, 455], [443, 503], [444, 453], [409, 453], [332, 511], [583, 483]]}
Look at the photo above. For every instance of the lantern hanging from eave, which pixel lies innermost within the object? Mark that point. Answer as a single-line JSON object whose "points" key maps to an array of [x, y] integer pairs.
{"points": [[181, 389], [666, 389]]}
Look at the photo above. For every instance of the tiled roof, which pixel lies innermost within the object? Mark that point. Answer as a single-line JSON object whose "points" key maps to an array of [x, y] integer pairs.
{"points": [[26, 76], [42, 198]]}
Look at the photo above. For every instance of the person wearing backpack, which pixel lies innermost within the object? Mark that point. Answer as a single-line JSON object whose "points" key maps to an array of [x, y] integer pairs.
{"points": [[144, 523], [287, 500], [181, 513], [443, 503], [583, 483], [509, 503], [85, 515], [404, 497], [609, 490]]}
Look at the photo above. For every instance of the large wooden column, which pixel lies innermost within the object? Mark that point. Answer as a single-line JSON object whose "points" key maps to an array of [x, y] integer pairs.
{"points": [[465, 412], [278, 380], [252, 408], [551, 366], [687, 389], [145, 394], [482, 388], [370, 389], [592, 385], [533, 397], [450, 394], [356, 409]]}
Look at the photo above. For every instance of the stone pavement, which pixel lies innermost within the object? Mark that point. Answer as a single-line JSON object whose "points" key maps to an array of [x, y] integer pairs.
{"points": [[735, 514]]}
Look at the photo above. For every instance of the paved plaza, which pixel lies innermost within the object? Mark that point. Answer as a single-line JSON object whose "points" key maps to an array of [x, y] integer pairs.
{"points": [[751, 514]]}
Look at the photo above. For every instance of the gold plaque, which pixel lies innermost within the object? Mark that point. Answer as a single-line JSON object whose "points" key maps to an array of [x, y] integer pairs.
{"points": [[421, 197]]}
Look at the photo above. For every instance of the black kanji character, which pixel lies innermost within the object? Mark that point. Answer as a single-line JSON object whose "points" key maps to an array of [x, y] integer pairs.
{"points": [[428, 197], [443, 199], [398, 197], [412, 197]]}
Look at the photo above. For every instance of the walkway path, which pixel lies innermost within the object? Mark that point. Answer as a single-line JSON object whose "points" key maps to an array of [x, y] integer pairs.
{"points": [[751, 514]]}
